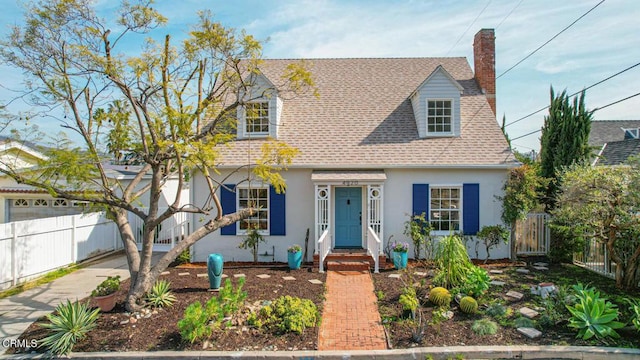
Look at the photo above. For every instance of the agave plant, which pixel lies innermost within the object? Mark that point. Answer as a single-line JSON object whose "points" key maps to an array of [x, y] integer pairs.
{"points": [[593, 315], [70, 324], [161, 295]]}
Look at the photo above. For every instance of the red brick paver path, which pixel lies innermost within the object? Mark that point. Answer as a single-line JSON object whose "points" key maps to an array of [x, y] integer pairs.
{"points": [[350, 317]]}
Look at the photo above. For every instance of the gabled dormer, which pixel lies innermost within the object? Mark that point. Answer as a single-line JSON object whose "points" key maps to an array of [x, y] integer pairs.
{"points": [[259, 116], [436, 105]]}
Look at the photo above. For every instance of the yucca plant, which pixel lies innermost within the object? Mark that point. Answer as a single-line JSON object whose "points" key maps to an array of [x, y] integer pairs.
{"points": [[161, 295], [452, 261], [70, 323], [593, 315]]}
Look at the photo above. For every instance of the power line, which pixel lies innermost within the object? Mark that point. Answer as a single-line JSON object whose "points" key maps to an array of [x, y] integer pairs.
{"points": [[548, 41], [576, 93], [594, 110], [509, 14], [469, 27]]}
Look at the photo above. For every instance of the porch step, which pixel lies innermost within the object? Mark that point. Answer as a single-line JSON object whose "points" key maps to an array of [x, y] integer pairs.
{"points": [[342, 265]]}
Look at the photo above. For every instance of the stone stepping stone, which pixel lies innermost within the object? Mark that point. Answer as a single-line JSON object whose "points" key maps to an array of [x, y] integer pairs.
{"points": [[544, 264], [224, 276], [420, 273], [239, 275], [202, 275], [498, 283], [528, 313], [541, 268], [395, 276], [288, 278], [183, 274], [315, 281], [531, 333], [522, 271], [165, 273], [264, 276], [496, 272], [515, 295]]}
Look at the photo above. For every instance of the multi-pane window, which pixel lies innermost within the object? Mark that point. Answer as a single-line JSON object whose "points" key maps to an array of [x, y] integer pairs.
{"points": [[257, 198], [257, 116], [20, 203], [60, 203], [40, 203], [444, 212], [439, 116]]}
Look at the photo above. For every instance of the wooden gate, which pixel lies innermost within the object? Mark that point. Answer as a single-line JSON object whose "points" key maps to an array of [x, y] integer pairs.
{"points": [[532, 235]]}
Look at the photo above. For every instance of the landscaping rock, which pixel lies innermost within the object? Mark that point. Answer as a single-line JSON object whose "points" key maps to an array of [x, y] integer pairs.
{"points": [[531, 333], [420, 273], [497, 283], [237, 275], [522, 271], [543, 289], [515, 295], [496, 272], [541, 264], [528, 313], [315, 281], [202, 275], [165, 273], [288, 278], [183, 274], [263, 276], [395, 276], [541, 268]]}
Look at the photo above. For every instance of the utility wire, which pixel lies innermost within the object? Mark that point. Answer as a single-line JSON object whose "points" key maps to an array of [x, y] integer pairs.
{"points": [[548, 41], [594, 110], [509, 14], [576, 93], [469, 27]]}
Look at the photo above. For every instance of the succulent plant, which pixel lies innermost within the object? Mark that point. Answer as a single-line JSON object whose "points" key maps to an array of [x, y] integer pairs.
{"points": [[468, 305], [440, 296]]}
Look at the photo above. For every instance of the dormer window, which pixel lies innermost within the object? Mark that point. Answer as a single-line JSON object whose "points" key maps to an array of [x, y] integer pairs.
{"points": [[257, 118], [631, 134], [439, 116]]}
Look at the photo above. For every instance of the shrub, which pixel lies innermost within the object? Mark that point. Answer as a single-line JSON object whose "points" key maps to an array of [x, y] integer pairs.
{"points": [[477, 282], [409, 300], [523, 322], [496, 310], [452, 262], [635, 310], [418, 229], [251, 242], [70, 323], [107, 287], [593, 315], [161, 295], [484, 327], [440, 296], [183, 258], [194, 325], [468, 305], [492, 236], [290, 314]]}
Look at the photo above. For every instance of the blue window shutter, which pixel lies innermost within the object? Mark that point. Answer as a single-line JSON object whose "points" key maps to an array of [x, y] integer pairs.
{"points": [[277, 213], [228, 202], [421, 199], [471, 208]]}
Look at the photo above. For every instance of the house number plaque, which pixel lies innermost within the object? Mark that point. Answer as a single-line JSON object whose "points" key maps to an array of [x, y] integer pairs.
{"points": [[349, 183]]}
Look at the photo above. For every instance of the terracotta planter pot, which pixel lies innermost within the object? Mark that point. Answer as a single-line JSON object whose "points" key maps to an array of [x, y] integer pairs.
{"points": [[107, 302]]}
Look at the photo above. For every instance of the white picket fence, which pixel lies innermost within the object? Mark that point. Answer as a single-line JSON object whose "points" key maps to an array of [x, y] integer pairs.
{"points": [[33, 247]]}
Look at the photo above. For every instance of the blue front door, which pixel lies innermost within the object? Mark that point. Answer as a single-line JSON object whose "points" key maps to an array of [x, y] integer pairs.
{"points": [[348, 217]]}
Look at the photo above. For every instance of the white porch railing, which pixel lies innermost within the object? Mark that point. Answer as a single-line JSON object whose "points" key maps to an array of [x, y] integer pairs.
{"points": [[373, 248], [532, 235], [324, 246], [167, 234]]}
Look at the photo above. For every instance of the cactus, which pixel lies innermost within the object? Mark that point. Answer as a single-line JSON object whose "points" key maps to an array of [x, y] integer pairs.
{"points": [[468, 305], [440, 296]]}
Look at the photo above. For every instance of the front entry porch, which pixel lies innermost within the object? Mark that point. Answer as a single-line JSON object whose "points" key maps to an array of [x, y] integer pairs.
{"points": [[348, 216]]}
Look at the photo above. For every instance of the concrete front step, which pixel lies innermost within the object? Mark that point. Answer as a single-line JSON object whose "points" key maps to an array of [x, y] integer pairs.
{"points": [[345, 265], [358, 257]]}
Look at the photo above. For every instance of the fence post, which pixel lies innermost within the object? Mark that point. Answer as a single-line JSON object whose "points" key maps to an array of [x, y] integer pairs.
{"points": [[14, 250]]}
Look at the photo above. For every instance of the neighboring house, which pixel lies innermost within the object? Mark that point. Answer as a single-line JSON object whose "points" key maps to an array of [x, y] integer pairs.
{"points": [[386, 138], [614, 140]]}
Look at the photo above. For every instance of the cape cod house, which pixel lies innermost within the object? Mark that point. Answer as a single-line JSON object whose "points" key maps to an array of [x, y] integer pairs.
{"points": [[386, 138]]}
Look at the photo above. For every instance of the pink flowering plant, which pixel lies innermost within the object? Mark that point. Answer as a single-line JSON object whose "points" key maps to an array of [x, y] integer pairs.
{"points": [[398, 246], [294, 248]]}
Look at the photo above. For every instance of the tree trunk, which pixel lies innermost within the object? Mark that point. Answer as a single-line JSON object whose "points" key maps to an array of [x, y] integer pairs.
{"points": [[514, 254], [630, 279]]}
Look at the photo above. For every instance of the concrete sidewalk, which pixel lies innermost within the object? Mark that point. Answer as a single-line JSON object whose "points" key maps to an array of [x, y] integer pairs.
{"points": [[19, 311]]}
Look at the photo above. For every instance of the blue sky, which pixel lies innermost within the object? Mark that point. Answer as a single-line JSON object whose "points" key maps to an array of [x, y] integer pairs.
{"points": [[604, 42]]}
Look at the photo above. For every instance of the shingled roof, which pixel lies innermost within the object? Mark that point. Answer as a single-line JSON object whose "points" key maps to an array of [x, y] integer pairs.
{"points": [[604, 131], [363, 118], [617, 152]]}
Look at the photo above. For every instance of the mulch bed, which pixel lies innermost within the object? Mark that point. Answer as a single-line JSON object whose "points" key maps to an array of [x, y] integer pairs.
{"points": [[116, 331]]}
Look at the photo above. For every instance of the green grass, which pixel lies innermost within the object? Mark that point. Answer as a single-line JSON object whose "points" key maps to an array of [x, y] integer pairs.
{"points": [[44, 279]]}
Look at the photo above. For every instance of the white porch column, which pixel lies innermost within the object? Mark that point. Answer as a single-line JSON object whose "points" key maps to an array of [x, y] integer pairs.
{"points": [[375, 214], [323, 203]]}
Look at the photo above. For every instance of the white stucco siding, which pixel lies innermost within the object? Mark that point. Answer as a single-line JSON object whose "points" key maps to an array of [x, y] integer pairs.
{"points": [[299, 205], [439, 87], [398, 195]]}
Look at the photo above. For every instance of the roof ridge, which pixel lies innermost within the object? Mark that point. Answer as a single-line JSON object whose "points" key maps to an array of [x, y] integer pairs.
{"points": [[371, 58]]}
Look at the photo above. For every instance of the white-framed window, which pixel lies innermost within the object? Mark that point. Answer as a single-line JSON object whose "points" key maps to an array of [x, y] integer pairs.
{"points": [[20, 203], [440, 116], [40, 203], [257, 118], [445, 208], [258, 198], [60, 203], [77, 203], [631, 133]]}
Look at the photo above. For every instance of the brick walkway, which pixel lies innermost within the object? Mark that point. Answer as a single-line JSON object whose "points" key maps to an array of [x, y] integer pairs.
{"points": [[350, 317]]}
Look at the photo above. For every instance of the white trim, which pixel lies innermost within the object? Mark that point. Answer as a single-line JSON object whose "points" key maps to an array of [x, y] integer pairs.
{"points": [[261, 186], [503, 166], [460, 210], [22, 205], [46, 203], [65, 203], [451, 118]]}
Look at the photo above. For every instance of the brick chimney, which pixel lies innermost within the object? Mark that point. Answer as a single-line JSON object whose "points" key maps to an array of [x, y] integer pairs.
{"points": [[484, 63]]}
